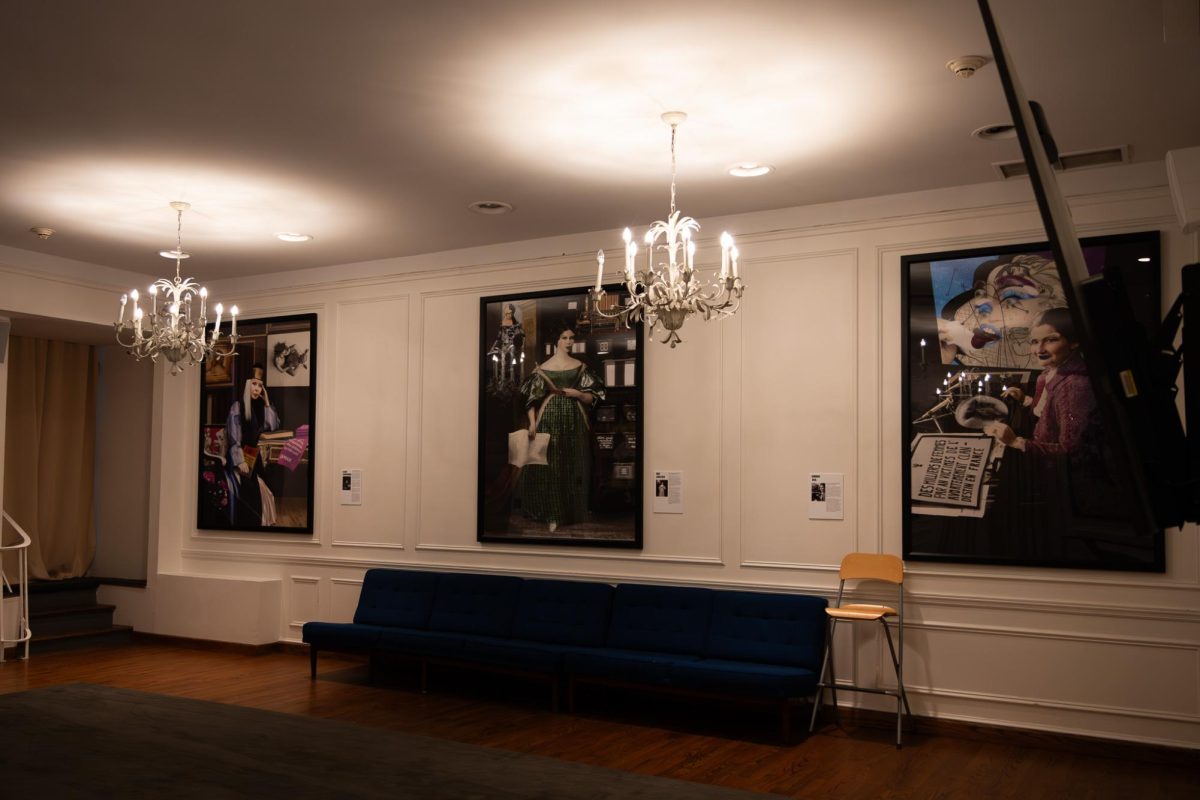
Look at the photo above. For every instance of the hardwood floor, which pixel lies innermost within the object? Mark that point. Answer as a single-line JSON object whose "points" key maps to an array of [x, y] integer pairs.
{"points": [[647, 734]]}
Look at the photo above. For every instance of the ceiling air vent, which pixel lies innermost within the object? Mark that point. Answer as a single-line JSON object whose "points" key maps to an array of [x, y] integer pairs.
{"points": [[1070, 161]]}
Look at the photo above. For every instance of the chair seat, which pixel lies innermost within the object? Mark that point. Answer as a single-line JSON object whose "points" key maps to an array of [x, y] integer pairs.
{"points": [[861, 611]]}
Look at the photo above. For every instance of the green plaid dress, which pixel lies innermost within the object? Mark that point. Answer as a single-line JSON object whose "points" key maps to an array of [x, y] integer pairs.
{"points": [[558, 491]]}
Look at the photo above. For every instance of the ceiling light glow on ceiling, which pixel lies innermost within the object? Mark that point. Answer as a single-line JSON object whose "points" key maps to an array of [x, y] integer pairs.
{"points": [[293, 237], [1144, 259], [750, 170], [174, 255]]}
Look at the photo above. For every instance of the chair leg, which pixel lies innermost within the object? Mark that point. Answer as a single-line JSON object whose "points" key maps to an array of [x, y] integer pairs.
{"points": [[833, 672], [826, 666], [312, 661], [901, 695]]}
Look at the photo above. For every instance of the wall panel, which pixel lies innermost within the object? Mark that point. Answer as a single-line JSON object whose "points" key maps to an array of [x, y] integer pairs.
{"points": [[369, 407]]}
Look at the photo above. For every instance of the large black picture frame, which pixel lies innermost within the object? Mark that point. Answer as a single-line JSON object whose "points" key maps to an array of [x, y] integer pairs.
{"points": [[276, 446], [967, 499], [593, 478]]}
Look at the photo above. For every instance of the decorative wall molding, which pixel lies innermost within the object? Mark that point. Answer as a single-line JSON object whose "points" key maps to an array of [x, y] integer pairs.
{"points": [[199, 535], [791, 565], [1061, 705], [328, 492], [585, 555], [1186, 645], [302, 580]]}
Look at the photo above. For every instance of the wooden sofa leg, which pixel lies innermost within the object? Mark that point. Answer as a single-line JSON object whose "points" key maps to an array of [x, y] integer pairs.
{"points": [[312, 661]]}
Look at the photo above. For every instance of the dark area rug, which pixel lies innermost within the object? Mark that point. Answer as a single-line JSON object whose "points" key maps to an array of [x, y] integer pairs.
{"points": [[94, 741]]}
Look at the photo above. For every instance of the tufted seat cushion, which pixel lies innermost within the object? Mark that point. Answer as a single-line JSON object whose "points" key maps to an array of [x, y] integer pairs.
{"points": [[397, 597], [783, 629], [663, 619], [478, 604], [563, 612]]}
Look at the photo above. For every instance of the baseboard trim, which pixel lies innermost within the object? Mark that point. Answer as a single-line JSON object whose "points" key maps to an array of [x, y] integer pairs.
{"points": [[207, 644], [1022, 737]]}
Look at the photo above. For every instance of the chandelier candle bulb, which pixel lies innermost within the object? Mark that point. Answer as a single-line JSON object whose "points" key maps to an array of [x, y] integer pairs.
{"points": [[203, 301], [152, 290], [124, 300], [233, 312], [599, 269]]}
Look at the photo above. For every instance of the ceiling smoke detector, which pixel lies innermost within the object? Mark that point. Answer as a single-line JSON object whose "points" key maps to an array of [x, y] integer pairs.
{"points": [[42, 233], [491, 207], [1001, 130], [965, 66]]}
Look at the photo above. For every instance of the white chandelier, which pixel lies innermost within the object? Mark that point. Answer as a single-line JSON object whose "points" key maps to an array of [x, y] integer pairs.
{"points": [[664, 294], [177, 332]]}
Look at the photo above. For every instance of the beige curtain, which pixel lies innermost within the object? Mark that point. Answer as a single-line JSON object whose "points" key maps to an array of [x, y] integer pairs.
{"points": [[50, 440]]}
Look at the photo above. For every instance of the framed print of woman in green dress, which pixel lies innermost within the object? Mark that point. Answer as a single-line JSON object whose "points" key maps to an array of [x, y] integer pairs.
{"points": [[572, 363]]}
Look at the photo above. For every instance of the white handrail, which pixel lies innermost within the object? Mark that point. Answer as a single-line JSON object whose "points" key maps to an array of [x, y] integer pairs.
{"points": [[22, 550]]}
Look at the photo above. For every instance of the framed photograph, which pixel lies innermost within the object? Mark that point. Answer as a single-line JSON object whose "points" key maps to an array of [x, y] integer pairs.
{"points": [[550, 383], [257, 420], [1010, 458]]}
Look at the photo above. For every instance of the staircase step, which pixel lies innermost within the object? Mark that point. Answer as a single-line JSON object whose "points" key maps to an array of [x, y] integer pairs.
{"points": [[113, 635], [62, 594], [71, 619]]}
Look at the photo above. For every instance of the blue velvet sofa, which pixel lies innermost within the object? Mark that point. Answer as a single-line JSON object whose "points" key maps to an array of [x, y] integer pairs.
{"points": [[751, 646]]}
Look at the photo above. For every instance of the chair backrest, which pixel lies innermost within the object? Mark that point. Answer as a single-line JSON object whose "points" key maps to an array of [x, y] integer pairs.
{"points": [[872, 566]]}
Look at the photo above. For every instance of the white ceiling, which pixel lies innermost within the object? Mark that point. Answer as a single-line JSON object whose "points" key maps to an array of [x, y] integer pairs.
{"points": [[372, 124]]}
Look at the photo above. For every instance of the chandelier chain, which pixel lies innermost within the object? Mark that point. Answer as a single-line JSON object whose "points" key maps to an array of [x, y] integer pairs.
{"points": [[178, 240], [674, 127]]}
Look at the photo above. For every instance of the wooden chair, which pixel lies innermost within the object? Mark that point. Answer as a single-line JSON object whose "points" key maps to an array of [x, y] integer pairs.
{"points": [[866, 567]]}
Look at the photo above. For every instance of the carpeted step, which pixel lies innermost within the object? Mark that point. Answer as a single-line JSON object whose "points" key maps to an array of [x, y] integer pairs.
{"points": [[112, 635], [70, 593], [71, 619]]}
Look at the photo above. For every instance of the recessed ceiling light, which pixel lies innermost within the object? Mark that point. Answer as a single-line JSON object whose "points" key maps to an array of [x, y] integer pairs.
{"points": [[293, 237], [174, 254], [490, 207], [749, 170], [1000, 130], [1144, 259]]}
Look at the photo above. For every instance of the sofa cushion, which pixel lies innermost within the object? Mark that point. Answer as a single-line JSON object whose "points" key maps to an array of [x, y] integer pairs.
{"points": [[743, 677], [625, 666], [769, 628], [341, 635], [663, 619], [412, 642], [563, 612], [479, 604], [397, 597], [517, 654]]}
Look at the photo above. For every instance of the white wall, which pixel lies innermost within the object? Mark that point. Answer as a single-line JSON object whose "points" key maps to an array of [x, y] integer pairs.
{"points": [[805, 378], [123, 417]]}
